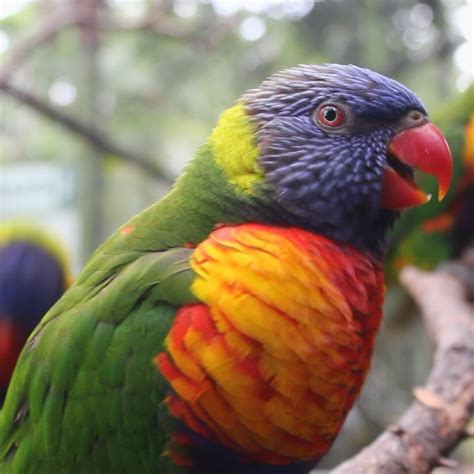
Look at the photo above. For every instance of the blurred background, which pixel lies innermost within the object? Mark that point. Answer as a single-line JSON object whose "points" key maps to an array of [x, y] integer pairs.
{"points": [[102, 102]]}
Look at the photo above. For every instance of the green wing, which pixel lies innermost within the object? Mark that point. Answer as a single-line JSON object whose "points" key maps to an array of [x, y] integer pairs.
{"points": [[85, 397]]}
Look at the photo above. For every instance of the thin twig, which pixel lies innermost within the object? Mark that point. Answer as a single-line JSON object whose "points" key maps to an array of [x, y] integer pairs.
{"points": [[208, 36], [83, 131], [22, 51], [45, 33], [156, 22], [159, 24]]}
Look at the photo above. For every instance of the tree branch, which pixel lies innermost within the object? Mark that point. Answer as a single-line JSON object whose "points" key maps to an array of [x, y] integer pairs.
{"points": [[45, 33], [80, 129], [436, 422], [167, 26], [155, 21], [159, 24]]}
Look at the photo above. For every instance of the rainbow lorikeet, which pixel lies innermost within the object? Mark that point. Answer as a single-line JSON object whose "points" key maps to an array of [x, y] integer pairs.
{"points": [[433, 234], [228, 328], [33, 276]]}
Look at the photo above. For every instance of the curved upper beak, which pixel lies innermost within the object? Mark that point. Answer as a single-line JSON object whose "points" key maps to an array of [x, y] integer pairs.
{"points": [[424, 148]]}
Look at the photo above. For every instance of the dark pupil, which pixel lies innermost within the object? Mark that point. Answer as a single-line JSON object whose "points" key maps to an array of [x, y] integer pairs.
{"points": [[330, 114]]}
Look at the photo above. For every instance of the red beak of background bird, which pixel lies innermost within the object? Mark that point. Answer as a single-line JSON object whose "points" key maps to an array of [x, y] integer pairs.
{"points": [[423, 148]]}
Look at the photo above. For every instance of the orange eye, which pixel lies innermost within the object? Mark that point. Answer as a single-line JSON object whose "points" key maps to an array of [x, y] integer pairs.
{"points": [[331, 116]]}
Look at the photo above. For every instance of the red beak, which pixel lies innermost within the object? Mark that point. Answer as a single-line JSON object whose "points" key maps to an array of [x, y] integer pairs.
{"points": [[423, 148]]}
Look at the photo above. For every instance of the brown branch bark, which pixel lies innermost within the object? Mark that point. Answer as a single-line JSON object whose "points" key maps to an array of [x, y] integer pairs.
{"points": [[436, 421], [83, 131]]}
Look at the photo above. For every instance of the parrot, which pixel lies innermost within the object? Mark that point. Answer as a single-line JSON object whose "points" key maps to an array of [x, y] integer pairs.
{"points": [[433, 234], [228, 327], [34, 273]]}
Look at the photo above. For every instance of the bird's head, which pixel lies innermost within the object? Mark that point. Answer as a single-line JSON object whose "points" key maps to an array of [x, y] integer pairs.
{"points": [[332, 148], [34, 273]]}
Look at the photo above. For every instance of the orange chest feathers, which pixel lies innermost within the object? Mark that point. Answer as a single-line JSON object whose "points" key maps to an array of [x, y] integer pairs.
{"points": [[272, 360]]}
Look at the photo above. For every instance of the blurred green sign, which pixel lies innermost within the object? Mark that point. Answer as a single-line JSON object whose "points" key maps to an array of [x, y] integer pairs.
{"points": [[44, 194], [35, 189]]}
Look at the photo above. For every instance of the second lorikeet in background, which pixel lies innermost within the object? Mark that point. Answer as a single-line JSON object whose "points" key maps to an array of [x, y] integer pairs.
{"points": [[228, 328], [432, 234], [33, 276]]}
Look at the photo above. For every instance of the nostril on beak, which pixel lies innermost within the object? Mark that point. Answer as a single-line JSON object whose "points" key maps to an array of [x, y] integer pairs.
{"points": [[416, 117]]}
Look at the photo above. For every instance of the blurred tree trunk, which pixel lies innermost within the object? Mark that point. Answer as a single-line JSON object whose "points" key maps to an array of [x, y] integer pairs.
{"points": [[92, 167], [445, 49]]}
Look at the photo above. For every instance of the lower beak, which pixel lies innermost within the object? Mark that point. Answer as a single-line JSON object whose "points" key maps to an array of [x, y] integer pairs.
{"points": [[423, 148]]}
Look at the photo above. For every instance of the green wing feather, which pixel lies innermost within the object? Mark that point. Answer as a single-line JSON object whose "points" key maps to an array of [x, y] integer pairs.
{"points": [[85, 396], [88, 368]]}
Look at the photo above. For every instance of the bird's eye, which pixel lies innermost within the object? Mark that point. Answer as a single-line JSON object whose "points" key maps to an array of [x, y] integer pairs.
{"points": [[330, 116]]}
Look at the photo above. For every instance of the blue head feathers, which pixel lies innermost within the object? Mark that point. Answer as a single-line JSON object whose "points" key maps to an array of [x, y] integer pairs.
{"points": [[31, 281], [323, 133]]}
